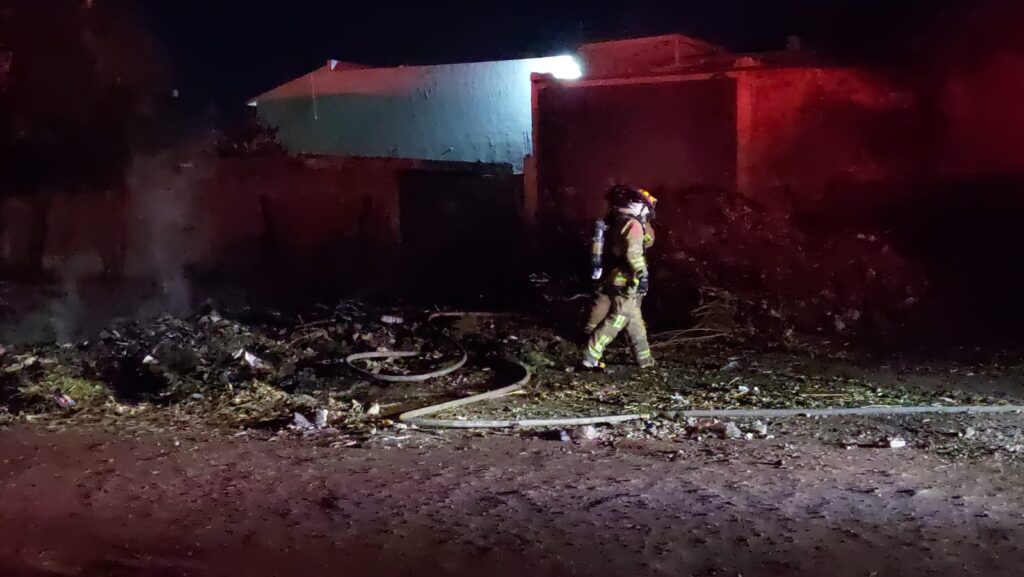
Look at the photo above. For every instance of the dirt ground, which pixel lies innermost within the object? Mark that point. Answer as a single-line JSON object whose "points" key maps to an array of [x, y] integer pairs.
{"points": [[91, 502], [185, 456]]}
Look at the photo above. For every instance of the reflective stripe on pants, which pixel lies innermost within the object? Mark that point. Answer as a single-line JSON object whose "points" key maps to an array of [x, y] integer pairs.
{"points": [[623, 312]]}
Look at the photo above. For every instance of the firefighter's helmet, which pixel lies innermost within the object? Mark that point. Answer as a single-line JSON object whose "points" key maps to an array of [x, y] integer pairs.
{"points": [[622, 196]]}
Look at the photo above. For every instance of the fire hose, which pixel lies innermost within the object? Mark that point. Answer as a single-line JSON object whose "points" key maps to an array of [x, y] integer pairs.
{"points": [[419, 418]]}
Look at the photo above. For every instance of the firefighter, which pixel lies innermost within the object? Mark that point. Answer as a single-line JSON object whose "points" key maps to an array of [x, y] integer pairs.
{"points": [[620, 267]]}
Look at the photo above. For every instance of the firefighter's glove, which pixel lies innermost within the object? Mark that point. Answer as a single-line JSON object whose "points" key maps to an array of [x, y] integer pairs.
{"points": [[643, 285]]}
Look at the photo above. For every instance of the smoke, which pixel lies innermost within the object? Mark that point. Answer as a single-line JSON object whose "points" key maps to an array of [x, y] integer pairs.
{"points": [[66, 313], [165, 235], [160, 234]]}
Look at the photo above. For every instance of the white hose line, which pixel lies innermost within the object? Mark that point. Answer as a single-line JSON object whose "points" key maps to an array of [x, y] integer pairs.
{"points": [[351, 360], [524, 423], [857, 411], [419, 418]]}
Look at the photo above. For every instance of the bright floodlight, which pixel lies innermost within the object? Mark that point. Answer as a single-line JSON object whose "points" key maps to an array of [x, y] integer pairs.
{"points": [[561, 67]]}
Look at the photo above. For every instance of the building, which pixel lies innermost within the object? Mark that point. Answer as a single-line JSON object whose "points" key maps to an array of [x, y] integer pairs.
{"points": [[476, 112], [434, 165], [672, 114]]}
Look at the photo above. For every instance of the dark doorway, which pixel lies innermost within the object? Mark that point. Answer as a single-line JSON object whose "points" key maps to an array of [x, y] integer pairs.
{"points": [[462, 235]]}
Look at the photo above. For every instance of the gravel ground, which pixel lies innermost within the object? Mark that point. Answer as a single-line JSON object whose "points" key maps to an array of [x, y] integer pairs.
{"points": [[96, 502]]}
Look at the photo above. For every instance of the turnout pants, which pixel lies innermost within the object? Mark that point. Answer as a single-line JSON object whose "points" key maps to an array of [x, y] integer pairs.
{"points": [[611, 314]]}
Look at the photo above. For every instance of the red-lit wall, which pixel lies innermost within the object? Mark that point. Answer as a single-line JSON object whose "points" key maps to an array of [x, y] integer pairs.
{"points": [[812, 135], [637, 56], [982, 107], [305, 220], [85, 233], [662, 136], [310, 215], [792, 139]]}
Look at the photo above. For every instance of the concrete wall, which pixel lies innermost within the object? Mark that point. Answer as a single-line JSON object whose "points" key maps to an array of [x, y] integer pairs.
{"points": [[807, 133], [85, 234], [461, 112], [639, 56], [982, 105], [289, 220], [662, 136], [790, 138]]}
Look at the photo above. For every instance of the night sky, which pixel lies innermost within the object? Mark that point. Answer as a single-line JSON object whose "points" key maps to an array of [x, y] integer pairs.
{"points": [[225, 51]]}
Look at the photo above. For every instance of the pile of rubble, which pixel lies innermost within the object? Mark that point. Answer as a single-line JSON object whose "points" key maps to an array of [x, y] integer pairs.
{"points": [[287, 374], [783, 277], [271, 369]]}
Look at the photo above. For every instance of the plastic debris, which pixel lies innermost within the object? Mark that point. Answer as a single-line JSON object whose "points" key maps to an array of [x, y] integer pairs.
{"points": [[759, 428], [732, 365], [150, 360], [213, 317], [299, 421], [897, 443], [321, 418], [374, 410], [586, 433], [726, 430], [252, 360], [64, 402]]}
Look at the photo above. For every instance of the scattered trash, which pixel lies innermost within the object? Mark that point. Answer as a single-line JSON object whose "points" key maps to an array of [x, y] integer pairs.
{"points": [[252, 360], [208, 367], [23, 362], [586, 433], [64, 402], [732, 431], [212, 318], [392, 320], [564, 437], [321, 418], [759, 428], [726, 430], [300, 422], [897, 443]]}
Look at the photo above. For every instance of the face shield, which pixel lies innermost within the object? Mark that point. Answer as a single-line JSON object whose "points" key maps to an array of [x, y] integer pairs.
{"points": [[650, 202], [638, 209]]}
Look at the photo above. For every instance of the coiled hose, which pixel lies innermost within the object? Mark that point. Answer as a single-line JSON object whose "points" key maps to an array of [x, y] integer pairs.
{"points": [[419, 418]]}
